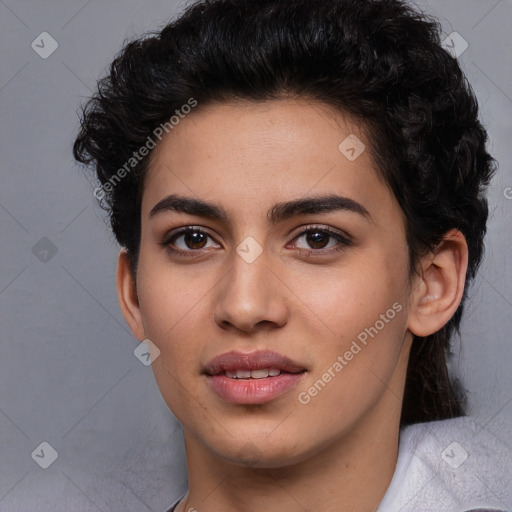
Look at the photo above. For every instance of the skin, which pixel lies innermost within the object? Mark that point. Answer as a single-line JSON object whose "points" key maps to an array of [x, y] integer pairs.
{"points": [[337, 452]]}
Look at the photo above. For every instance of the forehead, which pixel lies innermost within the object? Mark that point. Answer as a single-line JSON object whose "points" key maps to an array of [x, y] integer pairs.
{"points": [[290, 128], [259, 153]]}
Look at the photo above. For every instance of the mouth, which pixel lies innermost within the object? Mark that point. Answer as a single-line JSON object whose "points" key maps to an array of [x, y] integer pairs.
{"points": [[252, 378], [257, 365], [253, 374]]}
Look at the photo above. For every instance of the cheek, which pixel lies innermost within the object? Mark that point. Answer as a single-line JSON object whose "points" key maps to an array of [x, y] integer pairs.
{"points": [[361, 311], [354, 372], [173, 312], [167, 293], [171, 306], [343, 301]]}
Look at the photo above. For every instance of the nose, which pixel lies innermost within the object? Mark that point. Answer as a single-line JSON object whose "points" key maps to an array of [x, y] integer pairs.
{"points": [[251, 297]]}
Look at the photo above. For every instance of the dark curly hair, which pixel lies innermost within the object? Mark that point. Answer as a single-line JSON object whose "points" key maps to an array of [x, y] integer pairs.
{"points": [[379, 61]]}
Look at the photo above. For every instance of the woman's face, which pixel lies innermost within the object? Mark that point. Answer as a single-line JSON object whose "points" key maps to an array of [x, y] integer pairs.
{"points": [[319, 291]]}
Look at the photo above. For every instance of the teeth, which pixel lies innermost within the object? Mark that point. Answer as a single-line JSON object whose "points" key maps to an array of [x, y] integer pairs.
{"points": [[259, 374], [254, 374]]}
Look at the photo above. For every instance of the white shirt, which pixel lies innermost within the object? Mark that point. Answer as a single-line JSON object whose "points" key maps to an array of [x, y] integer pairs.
{"points": [[451, 465]]}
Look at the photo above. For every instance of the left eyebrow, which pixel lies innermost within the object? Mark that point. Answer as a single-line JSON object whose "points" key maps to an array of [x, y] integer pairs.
{"points": [[278, 213], [313, 205]]}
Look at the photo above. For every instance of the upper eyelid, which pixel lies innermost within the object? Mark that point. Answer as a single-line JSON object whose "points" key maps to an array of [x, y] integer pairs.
{"points": [[184, 229], [321, 227]]}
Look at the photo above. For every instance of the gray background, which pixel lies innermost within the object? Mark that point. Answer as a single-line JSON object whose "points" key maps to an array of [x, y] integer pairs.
{"points": [[68, 375]]}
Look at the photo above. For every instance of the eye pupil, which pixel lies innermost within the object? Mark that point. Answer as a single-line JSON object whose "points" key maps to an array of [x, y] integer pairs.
{"points": [[194, 238], [315, 237]]}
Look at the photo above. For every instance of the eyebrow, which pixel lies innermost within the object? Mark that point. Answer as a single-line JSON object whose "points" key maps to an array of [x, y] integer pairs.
{"points": [[278, 213]]}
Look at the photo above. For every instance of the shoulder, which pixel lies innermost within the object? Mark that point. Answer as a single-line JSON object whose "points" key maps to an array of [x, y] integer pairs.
{"points": [[451, 465]]}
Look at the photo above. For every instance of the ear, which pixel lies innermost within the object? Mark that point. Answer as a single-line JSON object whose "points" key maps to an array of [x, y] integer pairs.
{"points": [[127, 295], [438, 289]]}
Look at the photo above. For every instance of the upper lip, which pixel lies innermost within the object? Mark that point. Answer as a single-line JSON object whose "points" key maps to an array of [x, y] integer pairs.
{"points": [[252, 361]]}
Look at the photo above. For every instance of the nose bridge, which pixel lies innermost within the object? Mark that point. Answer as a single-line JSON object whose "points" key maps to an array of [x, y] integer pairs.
{"points": [[249, 279], [250, 293]]}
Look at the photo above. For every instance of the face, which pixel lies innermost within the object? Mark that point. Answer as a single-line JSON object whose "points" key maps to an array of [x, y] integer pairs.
{"points": [[318, 291]]}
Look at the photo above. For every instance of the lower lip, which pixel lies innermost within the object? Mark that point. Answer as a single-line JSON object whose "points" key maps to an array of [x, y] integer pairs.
{"points": [[253, 391]]}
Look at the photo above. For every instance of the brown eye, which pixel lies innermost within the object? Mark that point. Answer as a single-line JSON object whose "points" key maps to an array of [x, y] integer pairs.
{"points": [[187, 241], [195, 240], [317, 239]]}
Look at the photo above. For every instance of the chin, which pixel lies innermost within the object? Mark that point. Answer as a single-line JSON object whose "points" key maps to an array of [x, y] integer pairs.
{"points": [[260, 453]]}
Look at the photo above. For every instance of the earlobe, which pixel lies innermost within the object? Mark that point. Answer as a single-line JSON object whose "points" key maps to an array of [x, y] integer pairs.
{"points": [[439, 287], [127, 295]]}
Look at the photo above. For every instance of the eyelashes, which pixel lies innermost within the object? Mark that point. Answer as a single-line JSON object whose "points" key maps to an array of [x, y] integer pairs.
{"points": [[197, 236]]}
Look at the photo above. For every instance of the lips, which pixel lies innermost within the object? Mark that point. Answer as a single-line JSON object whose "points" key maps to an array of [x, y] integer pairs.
{"points": [[259, 360], [254, 378]]}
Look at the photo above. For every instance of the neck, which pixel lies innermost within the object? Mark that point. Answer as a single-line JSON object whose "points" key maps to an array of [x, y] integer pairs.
{"points": [[349, 473]]}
